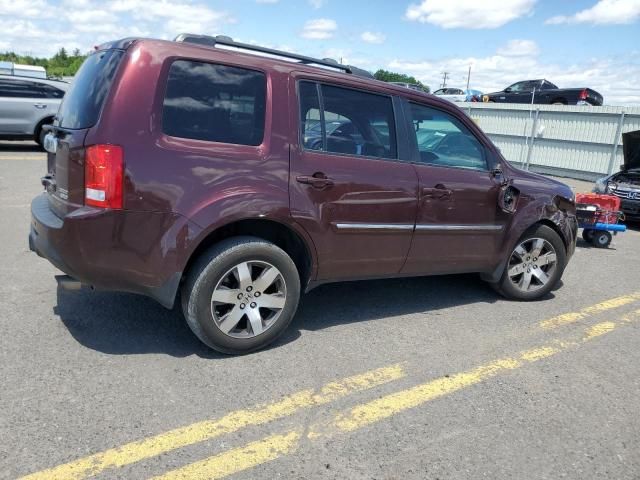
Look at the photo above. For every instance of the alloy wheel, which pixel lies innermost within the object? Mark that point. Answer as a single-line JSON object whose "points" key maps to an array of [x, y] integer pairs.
{"points": [[532, 264], [248, 299]]}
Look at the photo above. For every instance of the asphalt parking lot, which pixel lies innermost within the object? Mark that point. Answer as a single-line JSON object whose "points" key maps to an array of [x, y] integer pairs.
{"points": [[428, 378]]}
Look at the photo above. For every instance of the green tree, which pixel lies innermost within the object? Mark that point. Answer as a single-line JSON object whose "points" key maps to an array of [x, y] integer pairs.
{"points": [[60, 65], [387, 76]]}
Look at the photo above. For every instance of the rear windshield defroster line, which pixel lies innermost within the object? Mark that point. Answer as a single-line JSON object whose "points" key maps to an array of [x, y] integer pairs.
{"points": [[83, 102]]}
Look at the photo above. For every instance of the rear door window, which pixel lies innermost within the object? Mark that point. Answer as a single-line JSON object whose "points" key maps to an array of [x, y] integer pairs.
{"points": [[216, 103], [444, 140], [351, 122], [51, 91], [83, 102], [20, 89]]}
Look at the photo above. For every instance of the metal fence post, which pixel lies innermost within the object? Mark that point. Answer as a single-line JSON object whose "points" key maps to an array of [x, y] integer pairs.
{"points": [[616, 142], [534, 129]]}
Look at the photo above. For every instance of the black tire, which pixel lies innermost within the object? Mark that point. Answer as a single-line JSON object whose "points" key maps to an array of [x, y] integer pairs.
{"points": [[587, 235], [40, 134], [507, 288], [601, 239], [211, 267]]}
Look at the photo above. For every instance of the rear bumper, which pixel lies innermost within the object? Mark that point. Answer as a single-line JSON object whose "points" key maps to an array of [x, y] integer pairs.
{"points": [[137, 252]]}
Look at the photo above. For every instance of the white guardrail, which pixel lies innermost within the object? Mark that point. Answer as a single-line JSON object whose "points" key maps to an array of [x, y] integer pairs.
{"points": [[581, 142]]}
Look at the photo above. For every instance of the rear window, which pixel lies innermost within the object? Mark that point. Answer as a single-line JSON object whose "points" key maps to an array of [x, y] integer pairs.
{"points": [[216, 103], [83, 102]]}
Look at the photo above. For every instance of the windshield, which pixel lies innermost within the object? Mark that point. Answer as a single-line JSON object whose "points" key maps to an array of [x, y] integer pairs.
{"points": [[83, 102]]}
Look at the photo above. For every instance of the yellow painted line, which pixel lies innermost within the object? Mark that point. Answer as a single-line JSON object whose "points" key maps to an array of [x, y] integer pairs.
{"points": [[384, 407], [599, 329], [572, 317], [276, 446], [236, 460], [208, 429]]}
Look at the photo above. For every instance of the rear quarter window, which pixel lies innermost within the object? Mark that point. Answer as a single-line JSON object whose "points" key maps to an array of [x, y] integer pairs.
{"points": [[216, 103], [83, 102]]}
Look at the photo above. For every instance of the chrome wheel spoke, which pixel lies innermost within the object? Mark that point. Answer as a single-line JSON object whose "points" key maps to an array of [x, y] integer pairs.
{"points": [[255, 320], [274, 302], [520, 250], [517, 269], [546, 259], [540, 275], [526, 281], [538, 245], [231, 319], [266, 279], [243, 275], [225, 295]]}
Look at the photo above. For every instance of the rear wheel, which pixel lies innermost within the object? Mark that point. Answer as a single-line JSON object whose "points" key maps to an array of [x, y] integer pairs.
{"points": [[535, 265], [241, 294], [601, 239]]}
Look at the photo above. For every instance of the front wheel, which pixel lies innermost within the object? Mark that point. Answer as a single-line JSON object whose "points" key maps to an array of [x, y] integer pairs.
{"points": [[240, 295], [535, 265]]}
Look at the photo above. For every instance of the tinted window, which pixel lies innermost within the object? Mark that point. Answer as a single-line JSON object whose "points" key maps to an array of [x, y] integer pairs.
{"points": [[311, 126], [20, 89], [352, 122], [519, 87], [51, 92], [83, 102], [443, 140], [216, 103]]}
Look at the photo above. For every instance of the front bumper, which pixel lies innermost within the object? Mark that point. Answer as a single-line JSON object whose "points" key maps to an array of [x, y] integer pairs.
{"points": [[630, 208], [117, 250]]}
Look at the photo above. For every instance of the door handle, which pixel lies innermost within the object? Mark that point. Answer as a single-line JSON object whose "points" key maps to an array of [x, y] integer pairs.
{"points": [[439, 191], [40, 105], [317, 180]]}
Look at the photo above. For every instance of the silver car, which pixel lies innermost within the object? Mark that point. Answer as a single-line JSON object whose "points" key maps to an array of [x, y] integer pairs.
{"points": [[26, 104]]}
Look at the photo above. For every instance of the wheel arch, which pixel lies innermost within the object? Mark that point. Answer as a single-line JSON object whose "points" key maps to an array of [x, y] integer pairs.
{"points": [[496, 274], [293, 242], [43, 121]]}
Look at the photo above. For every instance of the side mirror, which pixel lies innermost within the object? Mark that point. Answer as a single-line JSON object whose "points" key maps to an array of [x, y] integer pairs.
{"points": [[507, 90]]}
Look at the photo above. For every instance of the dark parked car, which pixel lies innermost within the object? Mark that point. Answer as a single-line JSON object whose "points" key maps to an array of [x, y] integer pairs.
{"points": [[179, 170], [544, 92], [626, 183]]}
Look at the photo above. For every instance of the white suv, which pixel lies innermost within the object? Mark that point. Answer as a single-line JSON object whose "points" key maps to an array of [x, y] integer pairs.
{"points": [[26, 104]]}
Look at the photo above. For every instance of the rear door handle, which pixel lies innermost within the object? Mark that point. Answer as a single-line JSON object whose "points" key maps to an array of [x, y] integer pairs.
{"points": [[317, 180], [439, 191], [40, 105]]}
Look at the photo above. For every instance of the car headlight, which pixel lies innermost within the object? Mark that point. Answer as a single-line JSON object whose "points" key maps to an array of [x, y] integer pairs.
{"points": [[601, 185]]}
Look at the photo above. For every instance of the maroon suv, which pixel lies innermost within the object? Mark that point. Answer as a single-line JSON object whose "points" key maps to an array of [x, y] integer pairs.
{"points": [[234, 181]]}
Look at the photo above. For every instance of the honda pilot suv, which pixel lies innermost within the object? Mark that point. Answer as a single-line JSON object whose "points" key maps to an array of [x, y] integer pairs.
{"points": [[203, 171]]}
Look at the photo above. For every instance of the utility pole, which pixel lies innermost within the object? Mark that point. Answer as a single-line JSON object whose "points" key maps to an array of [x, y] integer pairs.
{"points": [[468, 77], [445, 75]]}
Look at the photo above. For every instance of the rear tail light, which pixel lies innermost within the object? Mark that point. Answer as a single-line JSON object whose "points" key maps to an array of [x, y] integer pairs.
{"points": [[583, 94], [104, 165]]}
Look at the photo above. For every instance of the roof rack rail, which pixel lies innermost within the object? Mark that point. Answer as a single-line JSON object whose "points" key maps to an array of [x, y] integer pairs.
{"points": [[210, 41]]}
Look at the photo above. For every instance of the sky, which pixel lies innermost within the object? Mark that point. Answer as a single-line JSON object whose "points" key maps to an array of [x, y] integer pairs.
{"points": [[572, 43]]}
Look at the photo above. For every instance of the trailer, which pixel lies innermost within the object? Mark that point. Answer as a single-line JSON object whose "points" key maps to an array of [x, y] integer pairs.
{"points": [[599, 217]]}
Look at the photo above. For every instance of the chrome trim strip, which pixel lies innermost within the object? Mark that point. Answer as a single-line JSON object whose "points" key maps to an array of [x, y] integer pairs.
{"points": [[486, 227], [373, 226]]}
